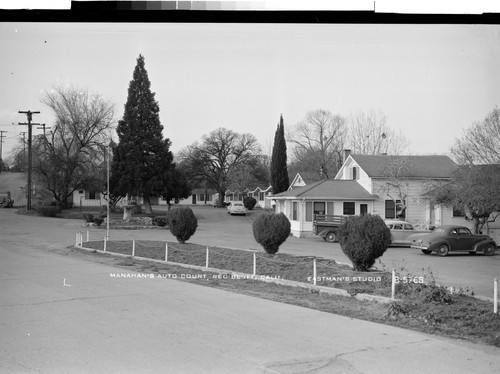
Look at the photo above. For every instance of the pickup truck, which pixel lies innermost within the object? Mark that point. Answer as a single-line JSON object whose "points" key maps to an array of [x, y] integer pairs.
{"points": [[326, 225]]}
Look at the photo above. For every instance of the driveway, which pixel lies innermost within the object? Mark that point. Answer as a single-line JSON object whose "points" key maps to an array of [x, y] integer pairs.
{"points": [[65, 314]]}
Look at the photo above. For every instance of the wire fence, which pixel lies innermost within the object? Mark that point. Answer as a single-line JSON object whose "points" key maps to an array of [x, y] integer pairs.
{"points": [[304, 269]]}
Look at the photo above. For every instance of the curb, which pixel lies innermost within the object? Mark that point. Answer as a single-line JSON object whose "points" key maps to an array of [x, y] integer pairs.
{"points": [[262, 278]]}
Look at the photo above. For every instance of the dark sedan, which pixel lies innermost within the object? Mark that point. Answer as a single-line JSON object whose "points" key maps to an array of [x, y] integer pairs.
{"points": [[445, 239]]}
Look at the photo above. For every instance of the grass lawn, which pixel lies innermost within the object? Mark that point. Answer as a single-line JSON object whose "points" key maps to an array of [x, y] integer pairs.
{"points": [[426, 308]]}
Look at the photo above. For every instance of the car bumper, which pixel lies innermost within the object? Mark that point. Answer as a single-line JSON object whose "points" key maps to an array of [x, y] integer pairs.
{"points": [[417, 246]]}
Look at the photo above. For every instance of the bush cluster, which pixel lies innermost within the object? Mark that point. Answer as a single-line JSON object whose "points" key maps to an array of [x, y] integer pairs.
{"points": [[363, 239], [47, 211], [271, 230], [89, 218], [160, 221], [249, 202], [182, 223]]}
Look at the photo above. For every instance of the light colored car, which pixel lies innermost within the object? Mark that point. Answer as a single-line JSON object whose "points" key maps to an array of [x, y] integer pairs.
{"points": [[403, 233], [236, 207]]}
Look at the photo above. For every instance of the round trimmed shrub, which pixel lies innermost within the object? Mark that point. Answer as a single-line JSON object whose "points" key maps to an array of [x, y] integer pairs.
{"points": [[249, 202], [271, 230], [364, 239], [182, 223]]}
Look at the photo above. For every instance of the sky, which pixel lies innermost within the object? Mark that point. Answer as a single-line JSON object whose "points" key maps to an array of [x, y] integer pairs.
{"points": [[431, 81]]}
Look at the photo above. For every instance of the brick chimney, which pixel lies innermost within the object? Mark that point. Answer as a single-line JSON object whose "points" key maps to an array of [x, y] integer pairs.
{"points": [[346, 154]]}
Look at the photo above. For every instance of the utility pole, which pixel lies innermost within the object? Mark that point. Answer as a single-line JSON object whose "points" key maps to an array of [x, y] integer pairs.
{"points": [[29, 115], [43, 127], [1, 141]]}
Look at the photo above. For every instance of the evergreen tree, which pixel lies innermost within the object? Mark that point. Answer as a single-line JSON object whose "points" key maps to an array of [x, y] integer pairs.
{"points": [[279, 172], [142, 160]]}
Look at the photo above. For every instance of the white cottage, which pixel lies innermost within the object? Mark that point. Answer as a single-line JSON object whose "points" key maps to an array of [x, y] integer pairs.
{"points": [[390, 186]]}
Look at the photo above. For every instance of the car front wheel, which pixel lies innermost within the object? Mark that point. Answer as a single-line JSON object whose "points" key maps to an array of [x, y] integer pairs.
{"points": [[443, 250], [489, 250]]}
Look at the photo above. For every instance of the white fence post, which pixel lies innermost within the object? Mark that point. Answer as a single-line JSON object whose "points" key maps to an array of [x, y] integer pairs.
{"points": [[133, 247], [105, 244], [495, 296], [88, 236], [314, 272], [254, 264], [76, 238], [393, 286], [81, 239], [166, 252], [206, 262]]}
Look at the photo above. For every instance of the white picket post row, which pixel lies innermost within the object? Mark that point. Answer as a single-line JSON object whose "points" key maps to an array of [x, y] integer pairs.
{"points": [[393, 285], [314, 272], [495, 295], [206, 263], [166, 252], [88, 236], [133, 247], [254, 264]]}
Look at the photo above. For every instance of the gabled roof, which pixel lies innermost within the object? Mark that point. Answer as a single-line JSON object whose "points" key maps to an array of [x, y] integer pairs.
{"points": [[305, 177], [432, 166], [328, 189]]}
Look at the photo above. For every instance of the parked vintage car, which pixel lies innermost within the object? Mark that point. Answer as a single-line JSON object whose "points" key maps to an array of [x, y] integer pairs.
{"points": [[452, 238], [236, 207], [6, 200], [403, 233]]}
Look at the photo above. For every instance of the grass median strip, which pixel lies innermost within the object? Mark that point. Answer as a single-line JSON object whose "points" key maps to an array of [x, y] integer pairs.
{"points": [[278, 266]]}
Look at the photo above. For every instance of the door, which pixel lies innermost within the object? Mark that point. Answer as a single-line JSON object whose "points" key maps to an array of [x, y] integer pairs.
{"points": [[193, 199], [363, 209]]}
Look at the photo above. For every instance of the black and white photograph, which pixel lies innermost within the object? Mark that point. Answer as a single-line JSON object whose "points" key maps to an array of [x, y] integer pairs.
{"points": [[249, 187]]}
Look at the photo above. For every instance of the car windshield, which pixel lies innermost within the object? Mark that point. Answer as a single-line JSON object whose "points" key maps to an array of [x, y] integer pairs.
{"points": [[237, 204], [439, 229]]}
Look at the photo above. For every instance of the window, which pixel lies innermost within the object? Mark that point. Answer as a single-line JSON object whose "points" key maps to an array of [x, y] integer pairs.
{"points": [[408, 227], [349, 208], [398, 226], [309, 211], [355, 174], [458, 212], [394, 209], [295, 211], [319, 207], [464, 231], [261, 196], [91, 195], [202, 197]]}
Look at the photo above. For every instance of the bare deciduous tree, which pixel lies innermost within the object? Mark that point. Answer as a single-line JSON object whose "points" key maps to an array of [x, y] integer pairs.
{"points": [[396, 187], [480, 144], [221, 155], [69, 156], [318, 142], [369, 134]]}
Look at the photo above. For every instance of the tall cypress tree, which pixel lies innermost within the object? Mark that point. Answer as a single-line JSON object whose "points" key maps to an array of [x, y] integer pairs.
{"points": [[279, 172], [142, 160]]}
